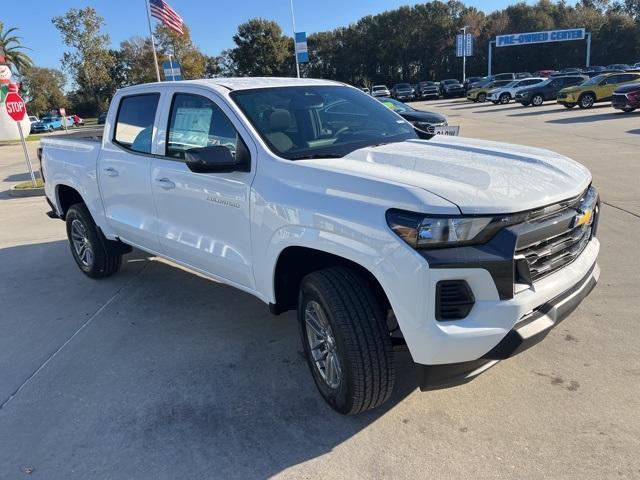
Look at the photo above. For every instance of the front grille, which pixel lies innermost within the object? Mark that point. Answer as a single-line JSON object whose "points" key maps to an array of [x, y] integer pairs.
{"points": [[619, 98], [551, 254], [551, 242]]}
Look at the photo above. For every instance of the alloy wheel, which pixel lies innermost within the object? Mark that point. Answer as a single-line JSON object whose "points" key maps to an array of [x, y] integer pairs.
{"points": [[587, 101], [322, 345], [81, 244]]}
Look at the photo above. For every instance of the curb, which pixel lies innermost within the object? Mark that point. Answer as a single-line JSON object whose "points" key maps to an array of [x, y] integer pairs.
{"points": [[26, 192]]}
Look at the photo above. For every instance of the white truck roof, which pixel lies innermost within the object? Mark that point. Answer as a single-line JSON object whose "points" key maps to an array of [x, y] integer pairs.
{"points": [[241, 83]]}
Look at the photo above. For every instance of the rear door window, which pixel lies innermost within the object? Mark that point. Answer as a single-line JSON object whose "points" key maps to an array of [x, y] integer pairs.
{"points": [[135, 120]]}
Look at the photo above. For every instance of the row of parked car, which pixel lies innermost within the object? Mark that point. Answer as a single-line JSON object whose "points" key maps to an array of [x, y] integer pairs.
{"points": [[54, 122], [620, 87], [421, 91]]}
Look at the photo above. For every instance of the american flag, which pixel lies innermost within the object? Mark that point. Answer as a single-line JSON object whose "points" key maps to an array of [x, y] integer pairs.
{"points": [[167, 15]]}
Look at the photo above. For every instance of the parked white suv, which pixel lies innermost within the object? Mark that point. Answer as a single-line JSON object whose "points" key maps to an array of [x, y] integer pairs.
{"points": [[380, 91], [311, 195], [507, 92]]}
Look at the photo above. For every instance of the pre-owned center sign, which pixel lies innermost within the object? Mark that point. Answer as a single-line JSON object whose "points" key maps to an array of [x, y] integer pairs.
{"points": [[530, 38], [540, 37]]}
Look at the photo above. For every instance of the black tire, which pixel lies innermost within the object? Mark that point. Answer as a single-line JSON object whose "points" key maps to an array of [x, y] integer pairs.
{"points": [[628, 109], [587, 100], [104, 261], [505, 98], [482, 97], [537, 100], [359, 339]]}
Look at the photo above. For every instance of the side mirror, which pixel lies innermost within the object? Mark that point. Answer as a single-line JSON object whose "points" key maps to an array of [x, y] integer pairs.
{"points": [[218, 159]]}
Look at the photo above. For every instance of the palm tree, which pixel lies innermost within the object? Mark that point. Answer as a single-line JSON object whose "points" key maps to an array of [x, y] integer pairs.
{"points": [[12, 49]]}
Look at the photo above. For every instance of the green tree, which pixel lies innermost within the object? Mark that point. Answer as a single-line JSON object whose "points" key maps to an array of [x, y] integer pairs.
{"points": [[46, 89], [261, 49], [136, 59], [181, 47], [12, 49], [89, 61]]}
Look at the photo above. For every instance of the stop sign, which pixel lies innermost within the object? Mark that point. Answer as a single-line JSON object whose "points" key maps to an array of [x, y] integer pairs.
{"points": [[15, 106]]}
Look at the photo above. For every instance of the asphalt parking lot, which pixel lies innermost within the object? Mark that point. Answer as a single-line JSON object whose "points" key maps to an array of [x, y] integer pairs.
{"points": [[157, 373]]}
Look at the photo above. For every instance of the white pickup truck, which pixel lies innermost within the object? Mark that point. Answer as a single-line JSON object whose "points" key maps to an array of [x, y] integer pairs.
{"points": [[313, 196]]}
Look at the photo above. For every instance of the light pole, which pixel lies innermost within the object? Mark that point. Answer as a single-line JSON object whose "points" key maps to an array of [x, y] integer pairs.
{"points": [[295, 54], [464, 52]]}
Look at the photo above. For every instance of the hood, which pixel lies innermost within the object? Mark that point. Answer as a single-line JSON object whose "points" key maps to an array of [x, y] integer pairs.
{"points": [[632, 87], [428, 117], [575, 88], [478, 176]]}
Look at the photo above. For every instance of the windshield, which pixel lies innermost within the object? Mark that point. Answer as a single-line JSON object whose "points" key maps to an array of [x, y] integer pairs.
{"points": [[427, 84], [396, 105], [448, 82], [320, 121], [379, 87], [594, 80], [403, 86]]}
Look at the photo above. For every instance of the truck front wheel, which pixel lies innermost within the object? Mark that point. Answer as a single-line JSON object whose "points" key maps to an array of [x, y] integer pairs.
{"points": [[346, 340], [88, 246]]}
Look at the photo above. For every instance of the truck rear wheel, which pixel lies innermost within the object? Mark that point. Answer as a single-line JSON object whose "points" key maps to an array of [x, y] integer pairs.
{"points": [[346, 340], [88, 246]]}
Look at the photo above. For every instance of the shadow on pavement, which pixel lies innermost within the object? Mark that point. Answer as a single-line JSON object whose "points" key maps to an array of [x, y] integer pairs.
{"points": [[176, 377], [502, 109], [587, 118], [634, 132], [21, 177], [533, 111]]}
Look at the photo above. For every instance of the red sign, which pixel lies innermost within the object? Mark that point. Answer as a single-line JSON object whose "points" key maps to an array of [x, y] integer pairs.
{"points": [[15, 106]]}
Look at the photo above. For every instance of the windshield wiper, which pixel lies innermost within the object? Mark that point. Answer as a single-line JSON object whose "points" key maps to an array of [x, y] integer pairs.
{"points": [[311, 156]]}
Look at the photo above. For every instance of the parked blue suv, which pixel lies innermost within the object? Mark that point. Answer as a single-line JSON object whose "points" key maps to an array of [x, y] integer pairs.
{"points": [[47, 124]]}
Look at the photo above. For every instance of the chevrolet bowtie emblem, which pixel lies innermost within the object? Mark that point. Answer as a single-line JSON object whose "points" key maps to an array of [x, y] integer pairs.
{"points": [[583, 218]]}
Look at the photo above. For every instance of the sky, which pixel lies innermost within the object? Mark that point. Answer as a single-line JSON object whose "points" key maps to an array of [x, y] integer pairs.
{"points": [[212, 23]]}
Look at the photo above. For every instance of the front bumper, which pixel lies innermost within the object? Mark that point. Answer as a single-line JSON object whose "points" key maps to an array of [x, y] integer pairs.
{"points": [[528, 331], [624, 102]]}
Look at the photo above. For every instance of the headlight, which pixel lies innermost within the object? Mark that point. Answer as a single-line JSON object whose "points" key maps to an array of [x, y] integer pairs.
{"points": [[525, 94], [424, 231]]}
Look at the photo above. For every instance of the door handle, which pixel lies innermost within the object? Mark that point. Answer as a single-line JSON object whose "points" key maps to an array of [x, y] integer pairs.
{"points": [[111, 172], [165, 183]]}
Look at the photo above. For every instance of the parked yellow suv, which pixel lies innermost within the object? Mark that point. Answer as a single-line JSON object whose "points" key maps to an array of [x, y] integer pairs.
{"points": [[479, 94], [596, 89]]}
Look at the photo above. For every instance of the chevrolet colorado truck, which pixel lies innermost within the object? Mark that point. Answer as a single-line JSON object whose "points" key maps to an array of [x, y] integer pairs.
{"points": [[315, 197]]}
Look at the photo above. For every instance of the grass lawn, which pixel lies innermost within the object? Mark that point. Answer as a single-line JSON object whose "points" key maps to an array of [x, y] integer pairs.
{"points": [[27, 185], [30, 138]]}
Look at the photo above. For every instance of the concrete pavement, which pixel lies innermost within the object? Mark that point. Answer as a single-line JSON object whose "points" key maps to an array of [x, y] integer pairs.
{"points": [[158, 373]]}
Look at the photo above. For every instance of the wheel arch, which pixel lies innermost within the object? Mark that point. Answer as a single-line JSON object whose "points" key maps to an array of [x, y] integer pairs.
{"points": [[65, 197], [582, 94], [295, 262]]}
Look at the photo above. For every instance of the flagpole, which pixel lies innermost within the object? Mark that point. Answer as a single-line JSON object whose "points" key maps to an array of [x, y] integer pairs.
{"points": [[295, 54], [153, 42]]}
